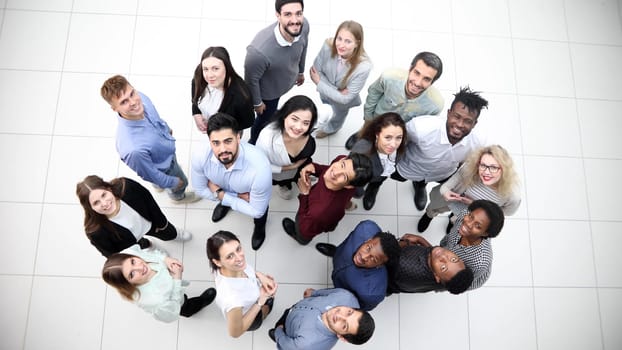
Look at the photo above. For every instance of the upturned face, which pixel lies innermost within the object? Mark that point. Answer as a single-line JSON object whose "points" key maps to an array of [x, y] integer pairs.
{"points": [[490, 172], [297, 123], [460, 122], [419, 79], [445, 264], [389, 139], [345, 43], [474, 225], [232, 257], [129, 104], [370, 254], [339, 174], [343, 320], [103, 201], [214, 72], [225, 144], [290, 19], [136, 271]]}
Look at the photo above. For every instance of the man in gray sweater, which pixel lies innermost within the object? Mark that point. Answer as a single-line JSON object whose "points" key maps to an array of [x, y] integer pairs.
{"points": [[275, 60]]}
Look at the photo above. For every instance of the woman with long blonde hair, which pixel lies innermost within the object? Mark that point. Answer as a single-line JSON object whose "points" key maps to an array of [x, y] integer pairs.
{"points": [[488, 173], [340, 71]]}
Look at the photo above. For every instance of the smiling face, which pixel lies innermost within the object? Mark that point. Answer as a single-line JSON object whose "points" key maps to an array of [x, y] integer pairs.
{"points": [[345, 43], [214, 72], [136, 271], [490, 171], [419, 79], [388, 140], [225, 143], [474, 225], [445, 264], [370, 254], [128, 104], [339, 174], [290, 20], [460, 122], [103, 201], [297, 123], [232, 259], [342, 320]]}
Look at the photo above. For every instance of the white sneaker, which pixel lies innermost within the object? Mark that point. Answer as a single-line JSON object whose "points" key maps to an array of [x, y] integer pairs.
{"points": [[189, 198], [183, 236], [284, 192]]}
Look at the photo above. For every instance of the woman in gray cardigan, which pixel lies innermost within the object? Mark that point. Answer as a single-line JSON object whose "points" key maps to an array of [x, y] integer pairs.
{"points": [[340, 71]]}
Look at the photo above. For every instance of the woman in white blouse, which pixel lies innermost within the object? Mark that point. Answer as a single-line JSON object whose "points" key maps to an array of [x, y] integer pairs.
{"points": [[287, 142], [245, 296], [340, 71]]}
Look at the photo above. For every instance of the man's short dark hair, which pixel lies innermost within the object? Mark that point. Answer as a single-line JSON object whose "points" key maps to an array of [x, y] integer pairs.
{"points": [[460, 282], [390, 247], [494, 213], [362, 169], [220, 121], [470, 99], [365, 331], [431, 60], [278, 4]]}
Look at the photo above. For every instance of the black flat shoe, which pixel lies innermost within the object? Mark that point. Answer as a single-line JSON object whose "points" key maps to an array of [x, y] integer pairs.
{"points": [[259, 235], [271, 334], [423, 223], [219, 212], [370, 197], [208, 296], [326, 249], [421, 196], [290, 228]]}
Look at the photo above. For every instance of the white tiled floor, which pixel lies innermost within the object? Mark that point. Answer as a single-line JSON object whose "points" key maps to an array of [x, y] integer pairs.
{"points": [[550, 69]]}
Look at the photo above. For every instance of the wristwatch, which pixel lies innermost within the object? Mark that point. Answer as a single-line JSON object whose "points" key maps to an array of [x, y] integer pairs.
{"points": [[218, 191]]}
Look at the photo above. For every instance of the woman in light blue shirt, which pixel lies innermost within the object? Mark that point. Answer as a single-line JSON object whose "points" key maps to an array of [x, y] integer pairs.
{"points": [[152, 280]]}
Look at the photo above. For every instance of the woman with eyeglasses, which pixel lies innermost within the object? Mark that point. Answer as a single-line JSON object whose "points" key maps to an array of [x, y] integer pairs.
{"points": [[488, 173]]}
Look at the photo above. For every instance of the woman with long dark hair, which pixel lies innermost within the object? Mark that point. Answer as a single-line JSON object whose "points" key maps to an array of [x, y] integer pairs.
{"points": [[245, 296], [119, 213], [383, 140], [216, 87]]}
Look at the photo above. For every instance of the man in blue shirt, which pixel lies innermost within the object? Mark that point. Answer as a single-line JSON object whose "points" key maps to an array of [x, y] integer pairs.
{"points": [[320, 319], [144, 141], [237, 175], [359, 262]]}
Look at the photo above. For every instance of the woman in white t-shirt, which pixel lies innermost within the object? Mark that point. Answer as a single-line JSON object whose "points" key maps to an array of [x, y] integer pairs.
{"points": [[245, 296]]}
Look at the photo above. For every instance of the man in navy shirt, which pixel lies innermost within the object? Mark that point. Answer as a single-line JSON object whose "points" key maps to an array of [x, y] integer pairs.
{"points": [[359, 262]]}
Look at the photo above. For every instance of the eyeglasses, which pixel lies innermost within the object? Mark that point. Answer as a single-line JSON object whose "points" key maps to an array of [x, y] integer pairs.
{"points": [[492, 168]]}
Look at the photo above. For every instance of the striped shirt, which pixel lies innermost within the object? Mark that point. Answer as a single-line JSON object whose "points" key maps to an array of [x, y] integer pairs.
{"points": [[477, 257]]}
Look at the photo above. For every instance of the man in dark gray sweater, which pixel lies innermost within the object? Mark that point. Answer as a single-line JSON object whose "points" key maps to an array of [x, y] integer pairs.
{"points": [[275, 60]]}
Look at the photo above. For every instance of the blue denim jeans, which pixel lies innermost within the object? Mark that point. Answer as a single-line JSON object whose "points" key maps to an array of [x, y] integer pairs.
{"points": [[175, 170]]}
